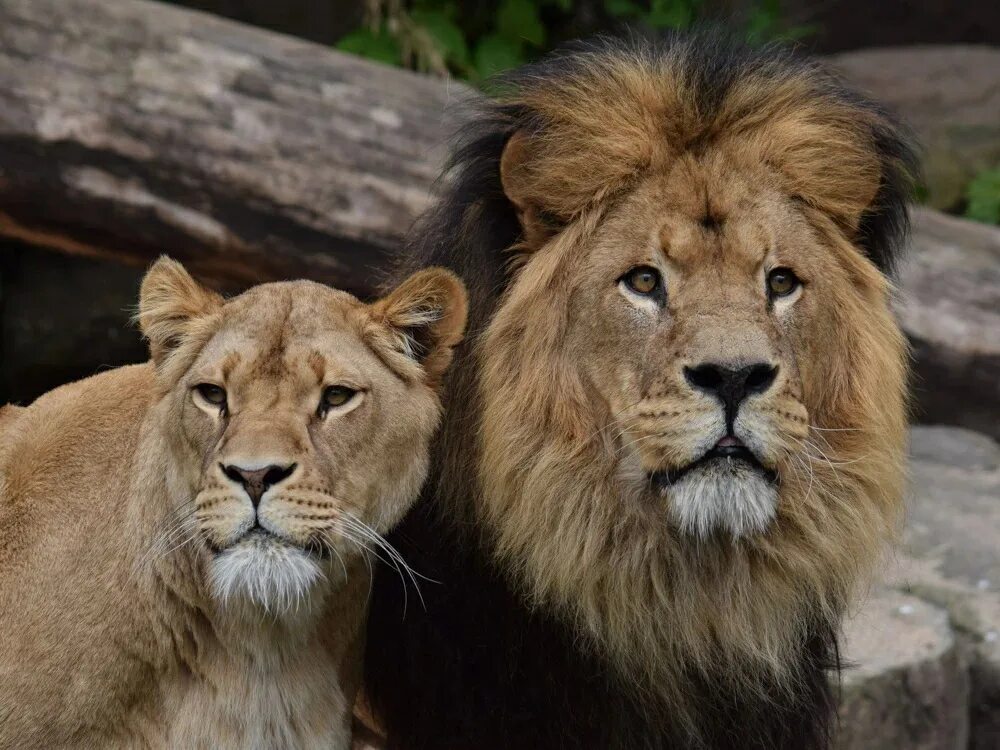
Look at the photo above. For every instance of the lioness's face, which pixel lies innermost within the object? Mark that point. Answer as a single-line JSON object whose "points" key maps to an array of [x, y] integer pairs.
{"points": [[304, 421]]}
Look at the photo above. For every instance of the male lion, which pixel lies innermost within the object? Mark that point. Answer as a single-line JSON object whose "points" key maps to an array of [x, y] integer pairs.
{"points": [[184, 544], [687, 394]]}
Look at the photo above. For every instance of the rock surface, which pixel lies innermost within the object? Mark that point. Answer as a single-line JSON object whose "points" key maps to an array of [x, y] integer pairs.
{"points": [[904, 685], [950, 308], [950, 95], [952, 544], [927, 643]]}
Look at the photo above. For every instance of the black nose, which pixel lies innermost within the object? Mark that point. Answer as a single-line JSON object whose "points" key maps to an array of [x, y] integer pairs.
{"points": [[257, 481], [730, 385]]}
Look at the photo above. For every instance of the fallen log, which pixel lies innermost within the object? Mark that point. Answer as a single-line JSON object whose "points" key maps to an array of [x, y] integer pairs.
{"points": [[129, 129]]}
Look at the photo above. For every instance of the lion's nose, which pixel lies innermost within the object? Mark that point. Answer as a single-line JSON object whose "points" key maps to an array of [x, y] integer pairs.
{"points": [[730, 385], [257, 481]]}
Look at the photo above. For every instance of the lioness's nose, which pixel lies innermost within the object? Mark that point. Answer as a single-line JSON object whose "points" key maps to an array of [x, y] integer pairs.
{"points": [[731, 385], [257, 481]]}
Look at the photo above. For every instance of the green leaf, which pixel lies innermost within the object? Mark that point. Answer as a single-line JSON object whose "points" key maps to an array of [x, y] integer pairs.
{"points": [[671, 14], [518, 21], [447, 37], [622, 8], [378, 46], [983, 194], [564, 5], [495, 53]]}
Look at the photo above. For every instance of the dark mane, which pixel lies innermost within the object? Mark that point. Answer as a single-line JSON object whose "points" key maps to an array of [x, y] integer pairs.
{"points": [[479, 668]]}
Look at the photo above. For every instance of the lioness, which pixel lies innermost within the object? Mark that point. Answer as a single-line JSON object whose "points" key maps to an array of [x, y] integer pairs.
{"points": [[185, 544]]}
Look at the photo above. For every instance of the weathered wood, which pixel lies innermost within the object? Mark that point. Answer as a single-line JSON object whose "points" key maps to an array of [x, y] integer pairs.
{"points": [[129, 129]]}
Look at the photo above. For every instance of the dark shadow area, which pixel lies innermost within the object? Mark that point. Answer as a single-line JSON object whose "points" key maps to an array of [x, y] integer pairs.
{"points": [[62, 318]]}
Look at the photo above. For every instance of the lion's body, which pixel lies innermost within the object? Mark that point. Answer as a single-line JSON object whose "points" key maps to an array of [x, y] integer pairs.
{"points": [[595, 594], [148, 601]]}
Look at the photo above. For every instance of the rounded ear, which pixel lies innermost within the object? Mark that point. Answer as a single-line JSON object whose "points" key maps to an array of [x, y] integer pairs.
{"points": [[419, 323], [169, 300], [517, 182]]}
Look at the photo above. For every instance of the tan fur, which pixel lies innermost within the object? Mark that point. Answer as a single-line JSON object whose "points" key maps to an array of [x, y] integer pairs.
{"points": [[584, 395], [112, 502]]}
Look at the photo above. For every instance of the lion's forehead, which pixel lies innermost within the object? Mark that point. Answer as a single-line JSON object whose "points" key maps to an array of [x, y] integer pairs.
{"points": [[721, 235]]}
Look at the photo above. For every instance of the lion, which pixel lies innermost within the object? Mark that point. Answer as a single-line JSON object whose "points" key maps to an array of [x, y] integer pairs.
{"points": [[674, 449], [185, 545]]}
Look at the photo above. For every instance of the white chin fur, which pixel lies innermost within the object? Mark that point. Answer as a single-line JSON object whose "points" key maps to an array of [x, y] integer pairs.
{"points": [[723, 496], [265, 574]]}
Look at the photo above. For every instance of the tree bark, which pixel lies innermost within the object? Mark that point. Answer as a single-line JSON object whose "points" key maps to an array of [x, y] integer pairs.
{"points": [[130, 129]]}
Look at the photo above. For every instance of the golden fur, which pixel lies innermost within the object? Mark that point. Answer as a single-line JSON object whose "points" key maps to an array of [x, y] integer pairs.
{"points": [[139, 604], [617, 165]]}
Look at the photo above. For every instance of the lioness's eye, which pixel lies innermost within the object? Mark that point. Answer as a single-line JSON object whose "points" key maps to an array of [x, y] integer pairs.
{"points": [[642, 280], [781, 282], [213, 394], [334, 396]]}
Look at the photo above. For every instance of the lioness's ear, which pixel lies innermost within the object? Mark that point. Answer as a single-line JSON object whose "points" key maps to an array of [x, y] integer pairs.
{"points": [[516, 179], [169, 301], [420, 321]]}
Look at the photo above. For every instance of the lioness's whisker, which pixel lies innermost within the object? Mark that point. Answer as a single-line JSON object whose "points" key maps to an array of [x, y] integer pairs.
{"points": [[390, 563], [359, 525]]}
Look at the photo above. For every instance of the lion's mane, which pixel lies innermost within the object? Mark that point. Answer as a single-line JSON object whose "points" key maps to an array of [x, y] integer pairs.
{"points": [[513, 651]]}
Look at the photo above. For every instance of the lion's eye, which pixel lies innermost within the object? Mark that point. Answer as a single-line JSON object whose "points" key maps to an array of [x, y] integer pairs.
{"points": [[642, 280], [334, 396], [781, 282], [213, 394]]}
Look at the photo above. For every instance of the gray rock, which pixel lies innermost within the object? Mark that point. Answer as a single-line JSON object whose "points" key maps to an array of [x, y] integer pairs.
{"points": [[951, 556], [950, 308], [950, 95], [953, 446], [905, 685]]}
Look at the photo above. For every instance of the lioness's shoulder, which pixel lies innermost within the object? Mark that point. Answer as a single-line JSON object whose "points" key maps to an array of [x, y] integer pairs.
{"points": [[76, 414], [8, 415]]}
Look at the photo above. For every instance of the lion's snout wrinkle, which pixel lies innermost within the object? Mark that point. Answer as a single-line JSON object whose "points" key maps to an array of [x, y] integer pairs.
{"points": [[258, 481]]}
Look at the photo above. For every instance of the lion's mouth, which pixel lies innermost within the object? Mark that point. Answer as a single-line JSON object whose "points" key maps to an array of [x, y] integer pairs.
{"points": [[728, 449]]}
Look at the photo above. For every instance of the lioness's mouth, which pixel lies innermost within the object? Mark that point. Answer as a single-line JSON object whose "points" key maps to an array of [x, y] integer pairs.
{"points": [[261, 537], [729, 449]]}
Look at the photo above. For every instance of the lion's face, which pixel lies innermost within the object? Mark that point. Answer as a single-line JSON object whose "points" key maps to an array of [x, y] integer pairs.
{"points": [[301, 419], [693, 386], [703, 334]]}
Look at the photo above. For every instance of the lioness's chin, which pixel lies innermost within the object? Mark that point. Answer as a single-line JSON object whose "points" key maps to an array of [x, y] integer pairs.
{"points": [[723, 496], [267, 573]]}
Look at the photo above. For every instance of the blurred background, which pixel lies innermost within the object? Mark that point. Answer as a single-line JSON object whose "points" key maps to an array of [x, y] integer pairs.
{"points": [[258, 140], [934, 62]]}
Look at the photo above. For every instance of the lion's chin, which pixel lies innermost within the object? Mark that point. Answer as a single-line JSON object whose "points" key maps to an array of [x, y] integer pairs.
{"points": [[265, 573], [725, 496]]}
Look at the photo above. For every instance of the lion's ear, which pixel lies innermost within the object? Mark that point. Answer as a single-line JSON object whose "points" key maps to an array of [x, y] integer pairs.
{"points": [[419, 323], [516, 177], [169, 301]]}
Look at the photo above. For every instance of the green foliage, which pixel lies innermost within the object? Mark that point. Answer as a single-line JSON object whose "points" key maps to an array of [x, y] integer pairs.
{"points": [[983, 197], [375, 45], [476, 40]]}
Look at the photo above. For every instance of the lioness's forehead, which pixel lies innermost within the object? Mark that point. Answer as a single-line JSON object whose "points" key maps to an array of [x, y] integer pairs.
{"points": [[297, 307], [298, 330]]}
